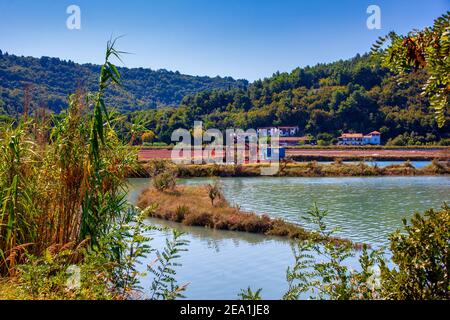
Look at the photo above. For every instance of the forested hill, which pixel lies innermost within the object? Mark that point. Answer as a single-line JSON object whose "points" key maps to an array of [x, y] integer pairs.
{"points": [[323, 100], [53, 80]]}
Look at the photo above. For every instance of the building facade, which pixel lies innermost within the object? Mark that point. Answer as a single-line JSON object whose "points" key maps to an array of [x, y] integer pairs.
{"points": [[358, 139], [282, 131]]}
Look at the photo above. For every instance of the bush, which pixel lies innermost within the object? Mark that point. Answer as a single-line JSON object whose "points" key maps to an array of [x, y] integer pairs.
{"points": [[214, 191], [422, 256], [157, 166], [180, 213], [148, 137], [54, 276], [437, 167], [420, 253], [164, 181]]}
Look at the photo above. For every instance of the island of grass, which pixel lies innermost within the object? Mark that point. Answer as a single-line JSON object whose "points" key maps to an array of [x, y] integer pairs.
{"points": [[192, 206], [295, 169]]}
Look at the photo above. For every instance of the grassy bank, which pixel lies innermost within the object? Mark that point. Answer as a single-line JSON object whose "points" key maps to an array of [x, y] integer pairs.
{"points": [[331, 147], [191, 206], [352, 157], [362, 153], [305, 169]]}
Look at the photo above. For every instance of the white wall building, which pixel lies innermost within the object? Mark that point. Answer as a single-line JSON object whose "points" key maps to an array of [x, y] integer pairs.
{"points": [[358, 139], [282, 131]]}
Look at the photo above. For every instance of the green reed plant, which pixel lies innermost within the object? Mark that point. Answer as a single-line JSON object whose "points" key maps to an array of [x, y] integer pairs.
{"points": [[68, 189], [63, 202], [17, 191], [164, 285]]}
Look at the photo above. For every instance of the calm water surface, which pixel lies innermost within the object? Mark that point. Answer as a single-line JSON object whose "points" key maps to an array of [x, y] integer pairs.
{"points": [[367, 209]]}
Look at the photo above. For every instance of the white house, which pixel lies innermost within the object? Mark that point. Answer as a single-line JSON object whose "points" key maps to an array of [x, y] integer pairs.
{"points": [[351, 139], [358, 139], [282, 131]]}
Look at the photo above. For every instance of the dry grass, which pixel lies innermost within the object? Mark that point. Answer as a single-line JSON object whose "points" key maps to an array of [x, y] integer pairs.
{"points": [[192, 206], [303, 169], [328, 153]]}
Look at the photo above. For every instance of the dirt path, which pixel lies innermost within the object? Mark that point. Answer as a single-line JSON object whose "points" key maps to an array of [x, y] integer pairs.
{"points": [[324, 154]]}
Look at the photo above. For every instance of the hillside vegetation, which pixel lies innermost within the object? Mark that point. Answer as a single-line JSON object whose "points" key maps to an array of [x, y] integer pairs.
{"points": [[53, 80], [323, 100]]}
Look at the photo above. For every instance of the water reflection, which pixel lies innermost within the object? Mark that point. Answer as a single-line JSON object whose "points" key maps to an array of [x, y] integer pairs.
{"points": [[220, 263], [214, 239], [365, 209]]}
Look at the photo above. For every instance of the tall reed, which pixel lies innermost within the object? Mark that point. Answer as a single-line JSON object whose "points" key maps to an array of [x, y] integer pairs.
{"points": [[62, 181]]}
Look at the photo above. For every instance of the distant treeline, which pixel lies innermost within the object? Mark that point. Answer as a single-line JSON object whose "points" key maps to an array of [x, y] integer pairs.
{"points": [[355, 95], [52, 80]]}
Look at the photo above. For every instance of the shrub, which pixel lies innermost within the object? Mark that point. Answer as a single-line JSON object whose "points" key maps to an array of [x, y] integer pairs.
{"points": [[164, 181], [157, 166], [148, 137], [437, 167], [181, 212], [214, 191], [422, 256]]}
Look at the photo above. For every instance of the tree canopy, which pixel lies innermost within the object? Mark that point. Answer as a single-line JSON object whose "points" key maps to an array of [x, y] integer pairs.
{"points": [[51, 80], [427, 49], [325, 100]]}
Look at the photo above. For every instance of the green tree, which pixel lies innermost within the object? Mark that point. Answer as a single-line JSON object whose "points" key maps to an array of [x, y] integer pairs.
{"points": [[427, 49], [148, 136]]}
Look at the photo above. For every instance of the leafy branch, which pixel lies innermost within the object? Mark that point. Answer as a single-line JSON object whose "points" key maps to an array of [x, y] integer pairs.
{"points": [[427, 49], [164, 285]]}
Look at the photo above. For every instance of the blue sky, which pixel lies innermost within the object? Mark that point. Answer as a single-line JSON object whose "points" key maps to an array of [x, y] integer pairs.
{"points": [[248, 39]]}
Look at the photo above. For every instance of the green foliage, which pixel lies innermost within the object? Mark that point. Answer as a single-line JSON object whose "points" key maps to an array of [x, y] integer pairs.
{"points": [[106, 198], [164, 181], [63, 204], [52, 81], [164, 285], [52, 276], [16, 194], [214, 191], [316, 217], [248, 294], [122, 249], [298, 276], [422, 256], [362, 97], [427, 49], [321, 272]]}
